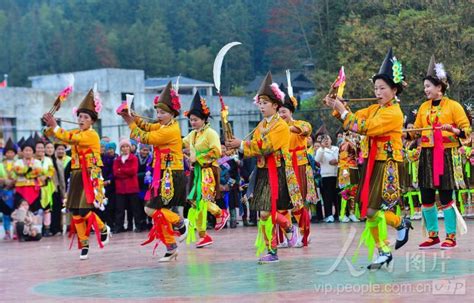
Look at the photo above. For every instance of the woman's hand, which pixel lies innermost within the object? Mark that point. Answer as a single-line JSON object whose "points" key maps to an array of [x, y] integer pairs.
{"points": [[48, 118], [335, 103], [233, 143], [450, 128], [295, 130], [127, 117]]}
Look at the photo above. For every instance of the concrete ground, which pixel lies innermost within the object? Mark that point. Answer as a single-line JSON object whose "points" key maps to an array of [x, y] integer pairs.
{"points": [[227, 271]]}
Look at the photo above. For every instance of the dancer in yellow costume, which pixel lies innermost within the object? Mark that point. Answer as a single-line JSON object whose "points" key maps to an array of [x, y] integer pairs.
{"points": [[167, 189], [379, 191], [86, 185], [205, 148]]}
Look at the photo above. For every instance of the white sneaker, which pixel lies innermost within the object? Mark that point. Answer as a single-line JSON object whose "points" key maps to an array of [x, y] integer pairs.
{"points": [[345, 219], [440, 214], [417, 216], [329, 219], [353, 218], [299, 244], [283, 244]]}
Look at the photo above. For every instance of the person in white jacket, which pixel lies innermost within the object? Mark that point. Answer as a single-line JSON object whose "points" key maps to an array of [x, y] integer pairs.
{"points": [[327, 156]]}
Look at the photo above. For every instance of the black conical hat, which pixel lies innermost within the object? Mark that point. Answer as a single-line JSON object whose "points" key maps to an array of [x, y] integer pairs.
{"points": [[9, 146], [198, 107], [289, 101], [391, 70], [30, 142], [38, 138], [387, 64], [21, 141]]}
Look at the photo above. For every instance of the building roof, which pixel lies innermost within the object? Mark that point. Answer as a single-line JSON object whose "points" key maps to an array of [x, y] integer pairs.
{"points": [[184, 82], [298, 80], [107, 79]]}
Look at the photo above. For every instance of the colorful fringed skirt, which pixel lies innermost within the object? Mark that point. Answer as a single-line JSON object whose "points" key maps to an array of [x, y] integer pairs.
{"points": [[261, 200], [405, 180], [378, 184], [76, 198], [216, 171], [179, 195], [425, 171]]}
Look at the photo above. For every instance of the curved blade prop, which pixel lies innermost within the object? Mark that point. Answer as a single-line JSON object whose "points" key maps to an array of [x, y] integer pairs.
{"points": [[218, 64]]}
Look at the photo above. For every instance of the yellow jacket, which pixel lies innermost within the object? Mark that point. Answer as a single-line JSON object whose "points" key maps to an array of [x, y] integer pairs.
{"points": [[379, 121], [205, 145], [162, 137], [299, 142], [85, 142], [269, 137], [448, 112]]}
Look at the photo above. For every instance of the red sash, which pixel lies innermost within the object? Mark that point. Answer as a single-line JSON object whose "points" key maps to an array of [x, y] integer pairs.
{"points": [[294, 161], [155, 183], [438, 154], [160, 223], [86, 180], [273, 178], [364, 195]]}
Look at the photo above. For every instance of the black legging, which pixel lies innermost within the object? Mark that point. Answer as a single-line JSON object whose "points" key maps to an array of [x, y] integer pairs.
{"points": [[56, 213], [428, 196], [330, 198]]}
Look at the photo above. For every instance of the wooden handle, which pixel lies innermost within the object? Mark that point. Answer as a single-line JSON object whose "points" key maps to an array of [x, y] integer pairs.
{"points": [[361, 99], [418, 129], [67, 121]]}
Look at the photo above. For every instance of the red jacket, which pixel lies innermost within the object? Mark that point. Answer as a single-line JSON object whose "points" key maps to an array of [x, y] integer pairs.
{"points": [[125, 175]]}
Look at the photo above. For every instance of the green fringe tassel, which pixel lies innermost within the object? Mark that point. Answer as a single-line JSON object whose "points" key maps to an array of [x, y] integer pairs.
{"points": [[409, 195], [264, 226], [357, 210], [398, 211], [342, 213], [196, 191], [461, 199], [192, 217], [203, 213], [368, 240]]}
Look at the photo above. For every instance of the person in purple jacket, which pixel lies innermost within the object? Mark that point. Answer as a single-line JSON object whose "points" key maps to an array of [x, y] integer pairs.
{"points": [[108, 159]]}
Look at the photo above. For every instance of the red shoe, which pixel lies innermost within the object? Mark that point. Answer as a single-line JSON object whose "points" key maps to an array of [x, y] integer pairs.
{"points": [[432, 242], [224, 217], [206, 241], [449, 243]]}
